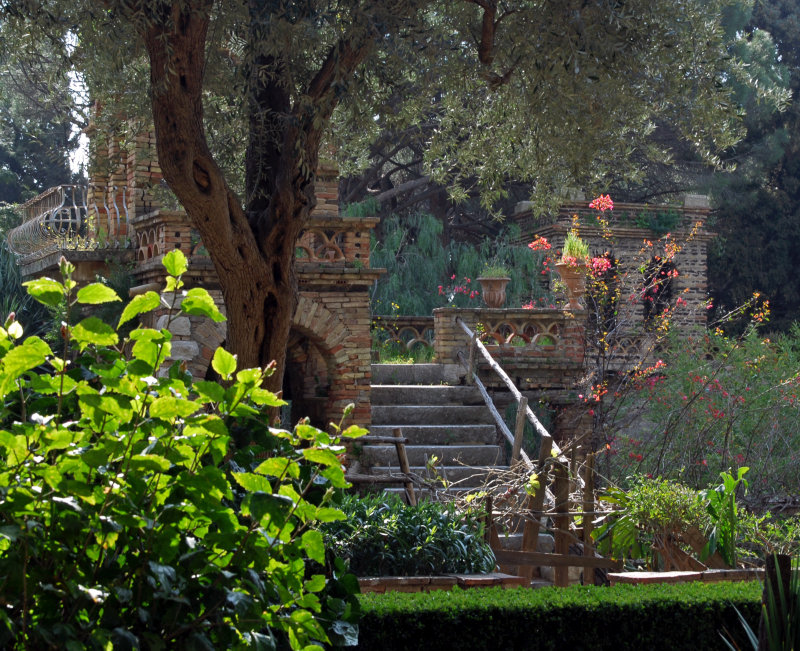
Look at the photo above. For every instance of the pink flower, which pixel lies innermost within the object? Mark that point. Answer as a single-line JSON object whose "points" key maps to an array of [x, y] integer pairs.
{"points": [[602, 203], [600, 265]]}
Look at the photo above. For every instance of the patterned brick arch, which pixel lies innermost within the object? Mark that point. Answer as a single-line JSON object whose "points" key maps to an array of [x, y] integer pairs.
{"points": [[325, 328]]}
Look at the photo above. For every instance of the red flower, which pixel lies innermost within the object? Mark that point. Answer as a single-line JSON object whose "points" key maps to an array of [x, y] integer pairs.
{"points": [[540, 244]]}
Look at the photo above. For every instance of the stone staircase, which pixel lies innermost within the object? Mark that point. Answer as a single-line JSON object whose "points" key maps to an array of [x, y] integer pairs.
{"points": [[443, 420]]}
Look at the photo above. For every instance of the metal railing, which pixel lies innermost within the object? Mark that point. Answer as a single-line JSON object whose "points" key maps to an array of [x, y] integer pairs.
{"points": [[75, 218]]}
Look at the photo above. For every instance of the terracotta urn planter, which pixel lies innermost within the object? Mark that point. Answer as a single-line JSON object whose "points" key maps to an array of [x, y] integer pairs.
{"points": [[494, 290], [574, 277]]}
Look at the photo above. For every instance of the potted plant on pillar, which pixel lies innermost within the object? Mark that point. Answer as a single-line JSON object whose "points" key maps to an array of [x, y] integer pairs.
{"points": [[493, 280], [573, 267]]}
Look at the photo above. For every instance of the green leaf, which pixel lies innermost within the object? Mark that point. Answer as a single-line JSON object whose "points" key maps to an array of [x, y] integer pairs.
{"points": [[94, 331], [198, 302], [224, 363], [175, 263], [354, 431], [140, 304], [266, 398], [335, 475], [323, 457], [97, 293], [252, 482], [169, 408], [277, 466], [51, 384], [313, 545], [251, 376], [328, 514], [146, 351], [149, 462], [316, 583], [258, 505], [30, 354], [46, 290], [14, 444], [210, 391]]}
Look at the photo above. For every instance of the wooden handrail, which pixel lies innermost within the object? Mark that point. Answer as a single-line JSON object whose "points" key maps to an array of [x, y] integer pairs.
{"points": [[476, 344], [501, 423]]}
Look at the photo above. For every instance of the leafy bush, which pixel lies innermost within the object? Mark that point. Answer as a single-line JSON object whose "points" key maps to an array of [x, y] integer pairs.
{"points": [[716, 403], [768, 533], [650, 514], [128, 518], [676, 617], [382, 536]]}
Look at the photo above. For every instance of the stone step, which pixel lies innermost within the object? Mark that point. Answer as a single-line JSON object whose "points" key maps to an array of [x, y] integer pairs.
{"points": [[416, 374], [414, 394], [466, 475], [441, 434], [448, 455], [513, 541], [430, 415]]}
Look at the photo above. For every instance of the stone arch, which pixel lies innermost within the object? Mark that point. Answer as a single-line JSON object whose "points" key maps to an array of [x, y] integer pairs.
{"points": [[314, 363]]}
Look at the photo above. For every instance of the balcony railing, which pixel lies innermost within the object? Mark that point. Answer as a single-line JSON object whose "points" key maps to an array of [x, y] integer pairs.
{"points": [[74, 218]]}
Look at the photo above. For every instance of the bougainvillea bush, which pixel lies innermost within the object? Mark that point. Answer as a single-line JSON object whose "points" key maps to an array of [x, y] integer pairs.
{"points": [[714, 404], [128, 517]]}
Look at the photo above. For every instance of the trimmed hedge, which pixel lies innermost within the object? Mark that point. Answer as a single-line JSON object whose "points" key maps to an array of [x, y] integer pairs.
{"points": [[686, 616]]}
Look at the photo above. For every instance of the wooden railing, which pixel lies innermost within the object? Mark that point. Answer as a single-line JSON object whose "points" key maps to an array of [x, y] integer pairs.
{"points": [[524, 412], [551, 459]]}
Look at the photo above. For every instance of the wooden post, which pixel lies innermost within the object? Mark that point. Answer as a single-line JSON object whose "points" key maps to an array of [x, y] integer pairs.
{"points": [[588, 504], [530, 532], [561, 522], [471, 362], [519, 429], [488, 520], [404, 467]]}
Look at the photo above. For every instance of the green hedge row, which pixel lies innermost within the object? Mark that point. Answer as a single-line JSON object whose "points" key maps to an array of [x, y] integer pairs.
{"points": [[647, 617]]}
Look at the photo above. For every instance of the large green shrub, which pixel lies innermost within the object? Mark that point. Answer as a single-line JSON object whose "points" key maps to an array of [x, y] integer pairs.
{"points": [[382, 536], [683, 617], [127, 516]]}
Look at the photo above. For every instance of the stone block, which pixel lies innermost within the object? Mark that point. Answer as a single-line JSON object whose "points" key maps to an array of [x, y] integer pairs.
{"points": [[181, 326], [185, 350]]}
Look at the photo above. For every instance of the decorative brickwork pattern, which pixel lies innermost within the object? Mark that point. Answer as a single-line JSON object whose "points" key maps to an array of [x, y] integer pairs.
{"points": [[634, 245]]}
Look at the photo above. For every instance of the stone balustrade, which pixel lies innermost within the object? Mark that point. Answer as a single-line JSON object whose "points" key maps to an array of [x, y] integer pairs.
{"points": [[410, 332], [520, 333]]}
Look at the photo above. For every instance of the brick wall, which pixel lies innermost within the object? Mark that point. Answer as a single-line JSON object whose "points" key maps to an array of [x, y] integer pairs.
{"points": [[634, 246]]}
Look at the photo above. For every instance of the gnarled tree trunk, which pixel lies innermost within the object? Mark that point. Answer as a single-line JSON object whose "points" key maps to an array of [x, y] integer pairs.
{"points": [[253, 250]]}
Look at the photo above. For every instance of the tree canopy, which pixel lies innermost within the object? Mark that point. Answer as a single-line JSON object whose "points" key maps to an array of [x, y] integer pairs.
{"points": [[551, 92]]}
